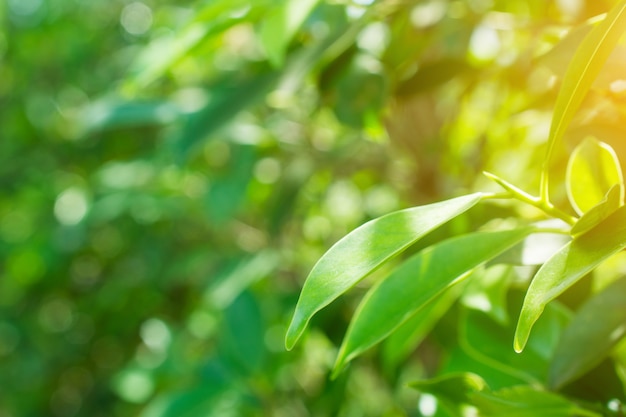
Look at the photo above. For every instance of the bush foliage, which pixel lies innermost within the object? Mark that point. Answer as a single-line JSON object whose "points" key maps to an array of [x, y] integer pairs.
{"points": [[173, 172]]}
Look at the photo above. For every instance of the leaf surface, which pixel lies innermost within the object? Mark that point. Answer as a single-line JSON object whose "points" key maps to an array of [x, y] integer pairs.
{"points": [[584, 67], [590, 336], [576, 259], [415, 283], [279, 28], [593, 169], [525, 401], [363, 250]]}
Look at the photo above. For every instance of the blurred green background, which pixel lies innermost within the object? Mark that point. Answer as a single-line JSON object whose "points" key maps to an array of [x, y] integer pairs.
{"points": [[171, 170]]}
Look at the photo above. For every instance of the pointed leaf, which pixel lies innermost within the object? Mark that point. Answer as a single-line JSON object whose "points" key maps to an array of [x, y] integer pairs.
{"points": [[588, 60], [590, 336], [592, 170], [612, 201], [365, 249], [566, 267], [416, 282]]}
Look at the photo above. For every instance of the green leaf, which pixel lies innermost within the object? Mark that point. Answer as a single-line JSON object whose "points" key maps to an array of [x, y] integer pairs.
{"points": [[593, 169], [566, 267], [228, 97], [165, 51], [416, 282], [487, 291], [525, 401], [411, 333], [590, 336], [489, 342], [587, 63], [279, 27], [455, 389], [612, 201], [365, 249], [117, 113]]}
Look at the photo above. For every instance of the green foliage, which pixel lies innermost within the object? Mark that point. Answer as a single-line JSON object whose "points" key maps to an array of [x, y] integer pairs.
{"points": [[172, 170]]}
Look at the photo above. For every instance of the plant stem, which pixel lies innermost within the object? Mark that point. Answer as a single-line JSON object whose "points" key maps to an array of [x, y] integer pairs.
{"points": [[539, 202]]}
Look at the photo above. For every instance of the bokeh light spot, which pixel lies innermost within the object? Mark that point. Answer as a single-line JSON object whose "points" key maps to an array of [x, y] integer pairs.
{"points": [[71, 206], [136, 18]]}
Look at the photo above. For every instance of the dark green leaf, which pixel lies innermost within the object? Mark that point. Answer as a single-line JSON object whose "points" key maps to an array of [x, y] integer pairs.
{"points": [[365, 249], [592, 333], [525, 401]]}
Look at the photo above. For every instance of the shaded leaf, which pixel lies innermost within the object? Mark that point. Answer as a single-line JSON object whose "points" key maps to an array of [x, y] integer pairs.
{"points": [[411, 333], [363, 250], [113, 114], [584, 67], [243, 330], [592, 170], [566, 267], [415, 283], [227, 97], [489, 342], [592, 333], [525, 401]]}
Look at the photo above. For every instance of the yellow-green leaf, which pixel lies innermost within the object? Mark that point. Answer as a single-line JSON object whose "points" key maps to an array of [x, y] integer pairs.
{"points": [[592, 170], [612, 201], [587, 63]]}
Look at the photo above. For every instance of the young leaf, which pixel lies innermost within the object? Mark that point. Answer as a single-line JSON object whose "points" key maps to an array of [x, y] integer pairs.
{"points": [[454, 388], [567, 266], [590, 336], [415, 283], [365, 249], [582, 71], [612, 201], [592, 170]]}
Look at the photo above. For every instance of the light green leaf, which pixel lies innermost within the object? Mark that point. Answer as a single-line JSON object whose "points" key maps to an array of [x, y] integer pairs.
{"points": [[112, 113], [612, 201], [416, 282], [165, 51], [454, 389], [365, 249], [587, 63], [280, 26], [525, 401], [592, 170], [567, 266], [590, 336]]}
